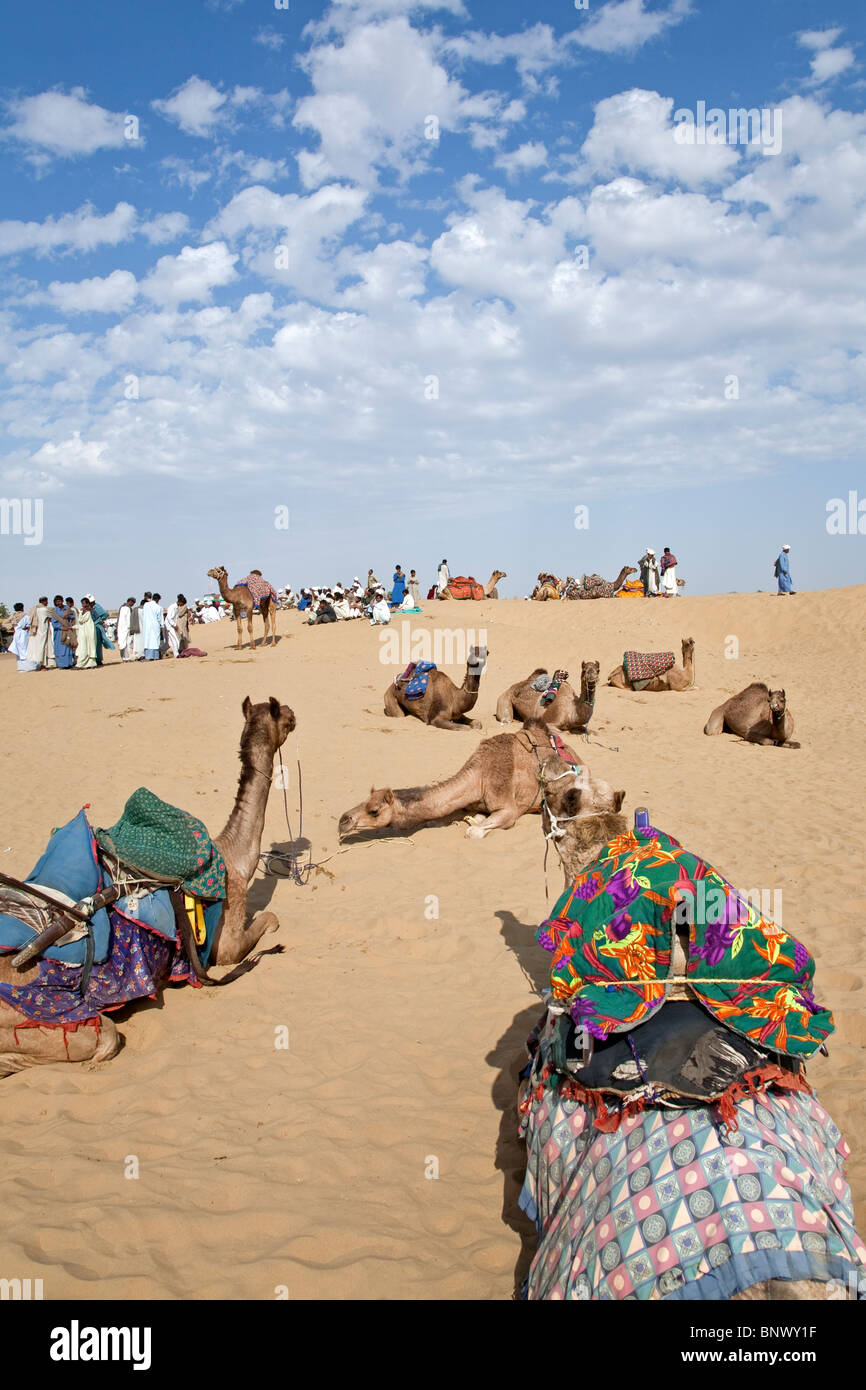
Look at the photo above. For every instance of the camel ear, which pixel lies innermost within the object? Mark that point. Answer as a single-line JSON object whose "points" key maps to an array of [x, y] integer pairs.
{"points": [[274, 707], [388, 797], [618, 799], [246, 707]]}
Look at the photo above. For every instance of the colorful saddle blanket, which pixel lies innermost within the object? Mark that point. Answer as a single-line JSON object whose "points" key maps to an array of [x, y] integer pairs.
{"points": [[612, 937], [593, 586], [642, 666], [415, 678], [466, 587], [632, 588], [164, 842]]}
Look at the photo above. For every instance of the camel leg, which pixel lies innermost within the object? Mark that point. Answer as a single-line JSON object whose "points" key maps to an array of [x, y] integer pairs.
{"points": [[443, 722], [393, 708], [716, 722], [250, 630], [22, 1047], [234, 940], [502, 819], [240, 641], [505, 707]]}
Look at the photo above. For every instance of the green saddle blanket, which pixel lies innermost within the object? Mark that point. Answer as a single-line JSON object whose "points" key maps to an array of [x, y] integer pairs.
{"points": [[168, 843]]}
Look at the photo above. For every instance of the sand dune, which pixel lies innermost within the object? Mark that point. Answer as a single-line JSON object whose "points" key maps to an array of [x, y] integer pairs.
{"points": [[305, 1169]]}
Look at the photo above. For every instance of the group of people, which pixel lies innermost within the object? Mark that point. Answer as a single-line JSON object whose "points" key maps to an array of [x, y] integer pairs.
{"points": [[370, 600], [659, 578], [60, 635]]}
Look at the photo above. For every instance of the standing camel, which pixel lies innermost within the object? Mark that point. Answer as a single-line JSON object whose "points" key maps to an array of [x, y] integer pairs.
{"points": [[443, 704], [677, 678], [243, 606], [489, 587], [23, 1044], [502, 778], [566, 711], [758, 714]]}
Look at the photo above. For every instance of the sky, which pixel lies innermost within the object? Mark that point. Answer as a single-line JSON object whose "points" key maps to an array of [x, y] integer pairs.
{"points": [[325, 287]]}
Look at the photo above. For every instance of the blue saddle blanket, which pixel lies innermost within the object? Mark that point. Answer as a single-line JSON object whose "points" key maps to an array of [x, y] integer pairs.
{"points": [[415, 678]]}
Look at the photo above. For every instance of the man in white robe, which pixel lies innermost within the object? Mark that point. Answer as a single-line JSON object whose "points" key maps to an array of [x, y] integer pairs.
{"points": [[20, 639], [171, 631], [124, 635], [41, 635], [442, 578]]}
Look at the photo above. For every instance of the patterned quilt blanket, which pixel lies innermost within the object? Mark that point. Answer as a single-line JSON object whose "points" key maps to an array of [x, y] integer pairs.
{"points": [[675, 1205], [642, 666], [415, 679], [466, 587]]}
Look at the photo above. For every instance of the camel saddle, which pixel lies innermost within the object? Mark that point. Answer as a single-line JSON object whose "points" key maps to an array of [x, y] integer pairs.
{"points": [[642, 666], [466, 587], [415, 678]]}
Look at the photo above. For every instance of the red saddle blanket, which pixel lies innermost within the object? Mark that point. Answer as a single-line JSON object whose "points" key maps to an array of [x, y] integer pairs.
{"points": [[463, 587], [642, 666]]}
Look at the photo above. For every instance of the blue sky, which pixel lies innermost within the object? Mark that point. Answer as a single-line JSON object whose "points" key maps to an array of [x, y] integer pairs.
{"points": [[239, 276]]}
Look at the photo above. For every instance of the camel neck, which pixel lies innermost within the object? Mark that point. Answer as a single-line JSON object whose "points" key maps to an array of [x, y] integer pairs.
{"points": [[241, 840]]}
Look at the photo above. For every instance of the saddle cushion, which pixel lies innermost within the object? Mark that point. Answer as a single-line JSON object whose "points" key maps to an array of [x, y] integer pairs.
{"points": [[165, 842], [611, 935], [642, 666], [68, 865], [466, 587]]}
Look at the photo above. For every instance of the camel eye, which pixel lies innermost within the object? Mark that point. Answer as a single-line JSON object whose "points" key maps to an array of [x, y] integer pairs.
{"points": [[374, 813]]}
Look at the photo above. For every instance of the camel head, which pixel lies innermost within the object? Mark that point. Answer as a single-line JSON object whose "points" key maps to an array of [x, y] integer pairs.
{"points": [[572, 796], [777, 702], [266, 728], [590, 674], [476, 660], [688, 649], [373, 814], [585, 839], [218, 572], [499, 574]]}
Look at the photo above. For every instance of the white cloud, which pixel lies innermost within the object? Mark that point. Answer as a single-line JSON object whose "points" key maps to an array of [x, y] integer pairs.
{"points": [[196, 106], [828, 61], [190, 276], [534, 51], [64, 124], [529, 156], [372, 96], [269, 38], [111, 294], [634, 132], [622, 26], [74, 455], [167, 226], [82, 230]]}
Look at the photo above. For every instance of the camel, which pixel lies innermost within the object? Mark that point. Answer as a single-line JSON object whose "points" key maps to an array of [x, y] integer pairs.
{"points": [[548, 587], [566, 711], [266, 728], [758, 714], [490, 590], [593, 586], [443, 704], [580, 841], [678, 678], [501, 779], [243, 605]]}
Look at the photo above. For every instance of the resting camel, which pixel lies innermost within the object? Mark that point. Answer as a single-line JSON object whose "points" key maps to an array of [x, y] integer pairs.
{"points": [[678, 678], [758, 714], [500, 779], [243, 606], [566, 711], [580, 841], [548, 587], [489, 588], [443, 704], [266, 728], [593, 586]]}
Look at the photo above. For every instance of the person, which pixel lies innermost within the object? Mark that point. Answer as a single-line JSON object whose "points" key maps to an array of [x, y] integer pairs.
{"points": [[85, 652], [124, 629], [100, 619], [442, 578], [380, 612], [181, 623], [304, 601], [171, 631], [324, 613], [151, 627], [399, 589], [669, 573], [413, 589], [782, 572], [408, 605], [40, 640], [649, 573], [61, 619], [20, 637]]}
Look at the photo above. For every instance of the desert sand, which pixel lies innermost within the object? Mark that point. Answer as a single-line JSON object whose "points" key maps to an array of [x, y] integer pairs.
{"points": [[306, 1171]]}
